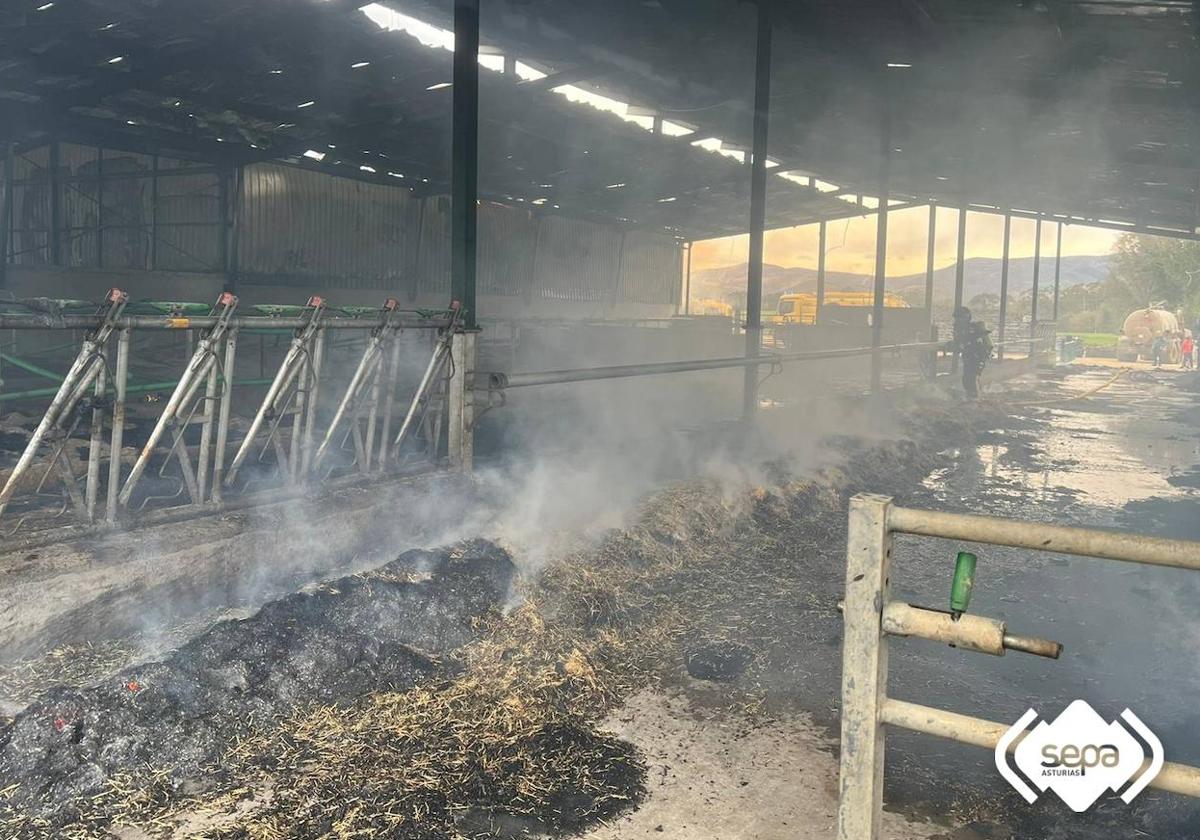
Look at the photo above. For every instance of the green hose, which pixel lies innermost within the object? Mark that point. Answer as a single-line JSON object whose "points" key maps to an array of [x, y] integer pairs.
{"points": [[149, 387], [30, 367]]}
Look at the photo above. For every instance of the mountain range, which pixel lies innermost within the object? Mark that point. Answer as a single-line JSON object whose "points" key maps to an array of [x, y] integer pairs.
{"points": [[980, 275]]}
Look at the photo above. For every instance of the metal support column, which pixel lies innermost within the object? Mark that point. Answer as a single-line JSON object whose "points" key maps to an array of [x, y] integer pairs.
{"points": [[6, 219], [820, 273], [1037, 267], [864, 668], [1057, 267], [461, 404], [958, 276], [758, 208], [120, 386], [465, 157], [930, 253], [1004, 286], [96, 443], [881, 235], [687, 285], [931, 326]]}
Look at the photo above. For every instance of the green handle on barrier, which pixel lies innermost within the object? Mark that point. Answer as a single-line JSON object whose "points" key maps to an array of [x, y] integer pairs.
{"points": [[964, 581]]}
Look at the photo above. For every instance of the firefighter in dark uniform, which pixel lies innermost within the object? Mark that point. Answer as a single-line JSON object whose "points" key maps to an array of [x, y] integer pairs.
{"points": [[976, 351]]}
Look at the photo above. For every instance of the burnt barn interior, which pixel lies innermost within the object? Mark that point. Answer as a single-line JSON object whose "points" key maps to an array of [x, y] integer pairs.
{"points": [[366, 465]]}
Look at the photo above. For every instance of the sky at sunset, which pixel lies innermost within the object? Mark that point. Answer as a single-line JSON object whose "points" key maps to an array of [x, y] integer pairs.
{"points": [[850, 244]]}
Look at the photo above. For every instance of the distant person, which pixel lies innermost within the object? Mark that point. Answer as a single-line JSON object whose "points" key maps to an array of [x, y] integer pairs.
{"points": [[976, 351], [1186, 351], [962, 324], [1158, 349]]}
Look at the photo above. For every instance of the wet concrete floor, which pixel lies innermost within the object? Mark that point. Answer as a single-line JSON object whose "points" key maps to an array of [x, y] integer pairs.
{"points": [[1126, 456]]}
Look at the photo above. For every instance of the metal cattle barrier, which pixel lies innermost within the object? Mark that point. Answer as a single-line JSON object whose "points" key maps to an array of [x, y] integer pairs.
{"points": [[280, 441], [871, 617]]}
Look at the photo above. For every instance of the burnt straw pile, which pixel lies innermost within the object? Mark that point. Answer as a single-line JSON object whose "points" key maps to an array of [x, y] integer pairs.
{"points": [[734, 587], [167, 724]]}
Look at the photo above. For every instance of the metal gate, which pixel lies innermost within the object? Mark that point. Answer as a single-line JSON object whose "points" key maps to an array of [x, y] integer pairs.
{"points": [[871, 617]]}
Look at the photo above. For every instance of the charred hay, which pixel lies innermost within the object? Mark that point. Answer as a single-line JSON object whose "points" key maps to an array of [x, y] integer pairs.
{"points": [[167, 720], [506, 744]]}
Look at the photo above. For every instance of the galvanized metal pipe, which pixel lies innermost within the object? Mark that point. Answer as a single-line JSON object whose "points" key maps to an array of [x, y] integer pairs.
{"points": [[200, 363], [373, 414], [314, 393], [92, 490], [287, 372], [1037, 536], [440, 351], [81, 375], [393, 375], [554, 377], [366, 365], [1175, 778], [210, 413], [165, 322], [118, 426], [231, 341]]}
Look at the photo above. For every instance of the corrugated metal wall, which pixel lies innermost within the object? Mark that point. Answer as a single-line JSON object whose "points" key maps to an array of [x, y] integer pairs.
{"points": [[116, 210], [507, 241], [576, 260], [651, 268], [300, 224], [123, 210]]}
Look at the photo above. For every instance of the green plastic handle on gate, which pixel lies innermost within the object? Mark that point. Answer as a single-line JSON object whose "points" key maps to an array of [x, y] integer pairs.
{"points": [[964, 581]]}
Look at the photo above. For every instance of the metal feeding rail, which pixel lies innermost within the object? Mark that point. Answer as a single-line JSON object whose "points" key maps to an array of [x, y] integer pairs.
{"points": [[203, 396], [871, 617], [504, 381]]}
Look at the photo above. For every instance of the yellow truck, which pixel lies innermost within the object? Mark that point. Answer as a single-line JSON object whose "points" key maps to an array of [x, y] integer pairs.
{"points": [[801, 308]]}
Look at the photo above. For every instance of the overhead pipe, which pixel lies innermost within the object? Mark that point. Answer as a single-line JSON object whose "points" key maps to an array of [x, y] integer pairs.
{"points": [[501, 381]]}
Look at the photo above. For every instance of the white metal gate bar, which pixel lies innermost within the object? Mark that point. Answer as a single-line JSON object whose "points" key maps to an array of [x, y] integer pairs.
{"points": [[1175, 778], [871, 617], [1061, 539]]}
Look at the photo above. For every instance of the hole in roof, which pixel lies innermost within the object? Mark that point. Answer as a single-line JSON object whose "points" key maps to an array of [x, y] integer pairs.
{"points": [[436, 37], [527, 72], [717, 146]]}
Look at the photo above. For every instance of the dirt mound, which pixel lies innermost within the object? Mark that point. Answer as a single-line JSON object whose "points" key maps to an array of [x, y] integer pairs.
{"points": [[381, 631]]}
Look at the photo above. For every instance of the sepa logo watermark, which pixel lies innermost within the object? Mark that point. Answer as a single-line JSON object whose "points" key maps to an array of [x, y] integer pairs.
{"points": [[1079, 756]]}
